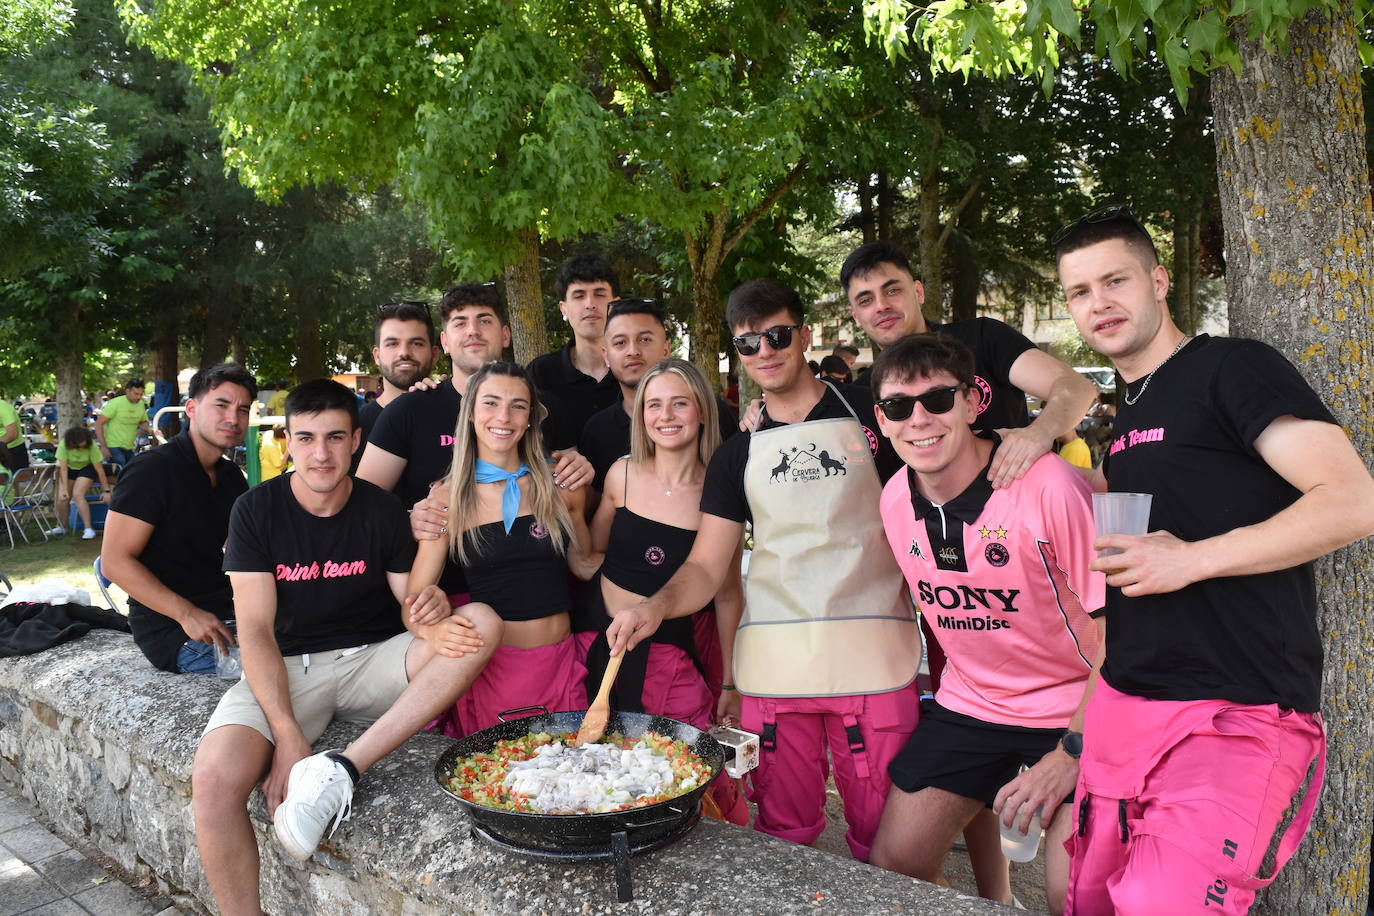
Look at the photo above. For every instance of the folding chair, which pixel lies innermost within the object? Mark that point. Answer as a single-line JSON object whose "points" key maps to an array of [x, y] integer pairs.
{"points": [[12, 511], [23, 500], [104, 584]]}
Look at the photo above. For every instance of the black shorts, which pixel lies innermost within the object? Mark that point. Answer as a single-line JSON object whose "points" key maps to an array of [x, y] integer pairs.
{"points": [[88, 471], [967, 756]]}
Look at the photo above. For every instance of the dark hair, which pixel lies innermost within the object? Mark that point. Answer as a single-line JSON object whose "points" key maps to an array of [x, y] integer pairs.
{"points": [[1115, 221], [845, 348], [209, 379], [585, 268], [133, 383], [465, 295], [761, 298], [922, 354], [867, 257], [403, 311], [834, 365], [319, 395], [636, 307], [78, 438]]}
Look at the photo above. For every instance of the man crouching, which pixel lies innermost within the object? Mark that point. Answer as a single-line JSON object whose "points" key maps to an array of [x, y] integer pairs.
{"points": [[318, 564]]}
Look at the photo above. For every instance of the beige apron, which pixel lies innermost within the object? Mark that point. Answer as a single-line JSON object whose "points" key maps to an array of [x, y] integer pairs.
{"points": [[826, 610]]}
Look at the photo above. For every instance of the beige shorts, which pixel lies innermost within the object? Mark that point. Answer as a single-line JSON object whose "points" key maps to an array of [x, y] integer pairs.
{"points": [[352, 685]]}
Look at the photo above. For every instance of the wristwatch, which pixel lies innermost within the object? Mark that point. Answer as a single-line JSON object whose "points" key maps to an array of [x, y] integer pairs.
{"points": [[1072, 743]]}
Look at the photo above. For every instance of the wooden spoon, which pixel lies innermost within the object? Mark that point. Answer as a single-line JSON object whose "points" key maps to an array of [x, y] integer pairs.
{"points": [[594, 722]]}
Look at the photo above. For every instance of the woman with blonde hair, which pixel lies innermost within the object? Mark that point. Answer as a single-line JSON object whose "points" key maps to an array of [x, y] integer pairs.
{"points": [[646, 523], [516, 534]]}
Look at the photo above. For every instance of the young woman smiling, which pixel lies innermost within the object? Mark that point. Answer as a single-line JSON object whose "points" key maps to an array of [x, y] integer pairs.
{"points": [[517, 535]]}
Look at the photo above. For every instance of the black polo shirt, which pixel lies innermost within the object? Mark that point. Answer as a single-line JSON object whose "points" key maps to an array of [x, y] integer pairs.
{"points": [[168, 489], [570, 395], [606, 436]]}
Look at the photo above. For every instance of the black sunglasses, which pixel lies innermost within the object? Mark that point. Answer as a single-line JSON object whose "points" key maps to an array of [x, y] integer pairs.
{"points": [[779, 338], [936, 400], [1100, 215]]}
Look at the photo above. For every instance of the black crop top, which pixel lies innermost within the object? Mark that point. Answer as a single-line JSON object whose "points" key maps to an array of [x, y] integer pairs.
{"points": [[519, 574], [642, 554]]}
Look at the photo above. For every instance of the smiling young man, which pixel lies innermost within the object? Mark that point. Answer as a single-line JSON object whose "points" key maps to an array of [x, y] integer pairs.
{"points": [[574, 381], [168, 518], [1004, 578], [405, 351], [827, 652], [1203, 743], [318, 562], [636, 340], [885, 300]]}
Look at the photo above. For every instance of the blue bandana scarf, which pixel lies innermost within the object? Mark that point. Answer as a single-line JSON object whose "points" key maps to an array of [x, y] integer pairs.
{"points": [[510, 497]]}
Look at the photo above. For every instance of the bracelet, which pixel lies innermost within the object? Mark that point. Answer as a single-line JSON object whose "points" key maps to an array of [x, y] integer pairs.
{"points": [[727, 686]]}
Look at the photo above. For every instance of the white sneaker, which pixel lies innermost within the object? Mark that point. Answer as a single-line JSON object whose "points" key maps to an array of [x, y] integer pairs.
{"points": [[54, 532], [318, 790], [88, 534]]}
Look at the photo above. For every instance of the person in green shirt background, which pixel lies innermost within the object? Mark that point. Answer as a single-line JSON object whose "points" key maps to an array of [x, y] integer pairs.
{"points": [[78, 463], [13, 454], [120, 421]]}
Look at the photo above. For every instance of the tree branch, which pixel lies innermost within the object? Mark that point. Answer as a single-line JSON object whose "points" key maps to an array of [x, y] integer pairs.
{"points": [[769, 202], [958, 210]]}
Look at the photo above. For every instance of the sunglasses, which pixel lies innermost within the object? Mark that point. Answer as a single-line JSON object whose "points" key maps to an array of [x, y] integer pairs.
{"points": [[779, 337], [1100, 215], [936, 400]]}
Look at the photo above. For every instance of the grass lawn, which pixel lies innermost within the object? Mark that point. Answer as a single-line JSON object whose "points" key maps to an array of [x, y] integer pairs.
{"points": [[66, 559]]}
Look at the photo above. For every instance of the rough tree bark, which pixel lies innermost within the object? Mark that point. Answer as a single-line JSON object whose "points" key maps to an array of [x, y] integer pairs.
{"points": [[1290, 135], [71, 357], [524, 298], [1183, 294]]}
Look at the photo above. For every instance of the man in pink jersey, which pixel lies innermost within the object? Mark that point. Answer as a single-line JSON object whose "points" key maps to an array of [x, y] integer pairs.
{"points": [[1002, 576]]}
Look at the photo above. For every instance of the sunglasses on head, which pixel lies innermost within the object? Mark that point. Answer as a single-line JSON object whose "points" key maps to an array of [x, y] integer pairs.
{"points": [[779, 337], [936, 400], [1100, 215]]}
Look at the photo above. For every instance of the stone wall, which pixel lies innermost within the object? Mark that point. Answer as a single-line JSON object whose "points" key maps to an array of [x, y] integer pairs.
{"points": [[102, 743]]}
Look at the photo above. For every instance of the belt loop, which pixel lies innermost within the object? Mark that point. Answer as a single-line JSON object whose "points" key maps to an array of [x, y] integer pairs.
{"points": [[1121, 816]]}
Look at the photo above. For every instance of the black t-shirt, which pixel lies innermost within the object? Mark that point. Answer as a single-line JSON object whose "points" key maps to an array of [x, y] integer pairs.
{"points": [[1190, 441], [367, 419], [168, 489], [723, 495], [996, 346], [606, 436], [570, 395], [418, 426], [332, 590]]}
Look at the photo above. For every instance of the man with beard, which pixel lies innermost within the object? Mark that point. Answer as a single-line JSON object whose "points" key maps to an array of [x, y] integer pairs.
{"points": [[169, 516], [404, 354]]}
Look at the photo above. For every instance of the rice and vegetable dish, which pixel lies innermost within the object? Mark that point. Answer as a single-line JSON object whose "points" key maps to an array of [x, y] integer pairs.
{"points": [[543, 773]]}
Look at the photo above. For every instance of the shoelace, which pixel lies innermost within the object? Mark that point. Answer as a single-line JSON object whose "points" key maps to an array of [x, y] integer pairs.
{"points": [[345, 810]]}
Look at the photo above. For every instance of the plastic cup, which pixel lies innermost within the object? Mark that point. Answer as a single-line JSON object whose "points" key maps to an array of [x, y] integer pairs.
{"points": [[1121, 513], [227, 664], [1018, 846]]}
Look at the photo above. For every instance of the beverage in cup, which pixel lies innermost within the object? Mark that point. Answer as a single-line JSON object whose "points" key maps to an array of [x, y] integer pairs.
{"points": [[227, 664], [1018, 846]]}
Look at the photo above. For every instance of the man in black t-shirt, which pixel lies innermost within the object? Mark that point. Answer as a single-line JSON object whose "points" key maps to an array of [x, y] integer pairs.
{"points": [[573, 381], [636, 340], [318, 562], [164, 535], [885, 299], [1202, 747], [404, 352]]}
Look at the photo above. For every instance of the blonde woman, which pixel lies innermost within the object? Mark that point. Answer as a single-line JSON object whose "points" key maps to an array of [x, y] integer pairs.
{"points": [[646, 524], [516, 533]]}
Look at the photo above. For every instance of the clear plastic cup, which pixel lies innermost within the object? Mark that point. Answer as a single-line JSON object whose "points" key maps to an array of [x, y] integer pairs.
{"points": [[1018, 846], [1121, 513], [227, 665]]}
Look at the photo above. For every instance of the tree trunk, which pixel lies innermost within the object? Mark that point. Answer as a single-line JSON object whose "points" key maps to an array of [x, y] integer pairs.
{"points": [[886, 206], [524, 297], [867, 220], [71, 358], [932, 253], [309, 349], [1183, 297], [708, 318], [1290, 135], [165, 363]]}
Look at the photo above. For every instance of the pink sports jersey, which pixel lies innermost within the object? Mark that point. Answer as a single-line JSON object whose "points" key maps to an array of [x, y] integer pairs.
{"points": [[1002, 577]]}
